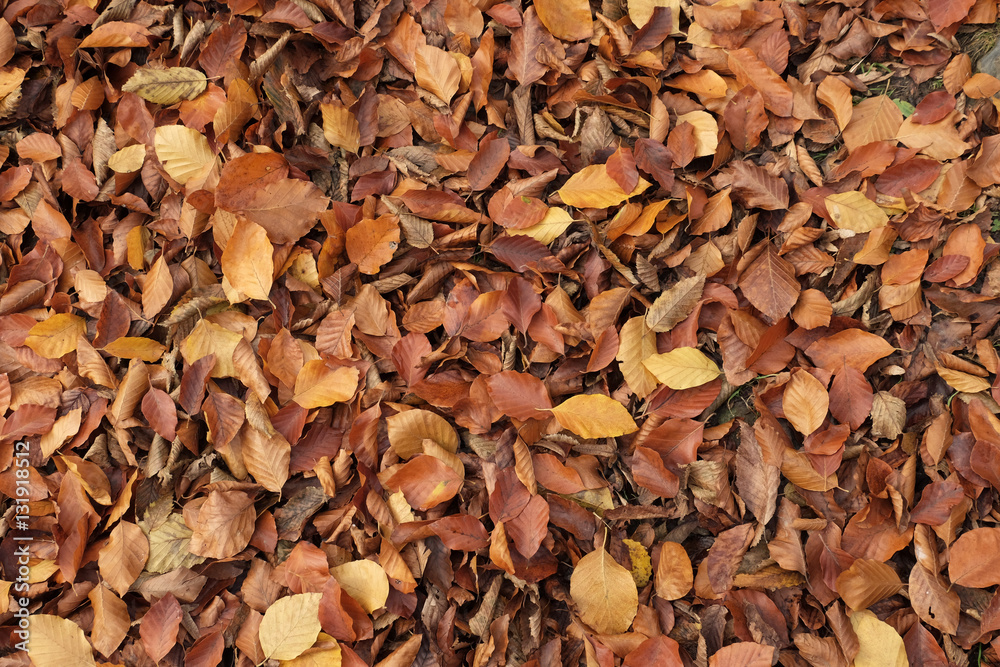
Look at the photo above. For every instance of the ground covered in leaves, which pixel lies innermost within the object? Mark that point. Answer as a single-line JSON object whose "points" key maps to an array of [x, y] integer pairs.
{"points": [[456, 332]]}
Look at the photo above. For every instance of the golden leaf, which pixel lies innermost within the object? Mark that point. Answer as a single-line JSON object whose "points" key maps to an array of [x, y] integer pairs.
{"points": [[290, 626], [185, 153], [317, 385], [57, 642], [682, 368], [555, 222], [853, 211], [365, 581], [56, 336], [594, 416], [593, 187], [128, 159], [604, 592]]}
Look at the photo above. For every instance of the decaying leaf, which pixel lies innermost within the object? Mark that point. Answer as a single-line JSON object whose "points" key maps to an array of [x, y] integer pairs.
{"points": [[166, 86]]}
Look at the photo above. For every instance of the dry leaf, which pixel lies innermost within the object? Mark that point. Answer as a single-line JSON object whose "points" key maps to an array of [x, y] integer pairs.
{"points": [[604, 593]]}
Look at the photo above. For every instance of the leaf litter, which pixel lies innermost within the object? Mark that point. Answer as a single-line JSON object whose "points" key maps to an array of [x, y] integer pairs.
{"points": [[454, 332]]}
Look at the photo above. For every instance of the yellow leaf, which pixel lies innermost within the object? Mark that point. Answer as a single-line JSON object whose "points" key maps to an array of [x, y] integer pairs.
{"points": [[706, 131], [57, 642], [682, 368], [326, 653], [879, 643], [134, 347], [185, 153], [853, 211], [209, 338], [247, 261], [805, 402], [594, 416], [408, 430], [290, 626], [340, 127], [437, 72], [593, 187], [365, 581], [548, 230], [636, 343], [964, 382], [642, 568], [56, 336], [167, 86], [317, 385], [604, 593], [128, 159]]}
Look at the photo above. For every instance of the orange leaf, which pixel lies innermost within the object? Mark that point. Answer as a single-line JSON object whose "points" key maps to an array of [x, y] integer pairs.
{"points": [[371, 243]]}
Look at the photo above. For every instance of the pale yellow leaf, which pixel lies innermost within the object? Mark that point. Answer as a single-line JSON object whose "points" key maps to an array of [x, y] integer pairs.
{"points": [[594, 416], [167, 86], [128, 159], [168, 544], [879, 643], [57, 642], [56, 336], [555, 222], [593, 187], [185, 153], [706, 131], [682, 368], [852, 210], [604, 592], [365, 581], [290, 626], [247, 261]]}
